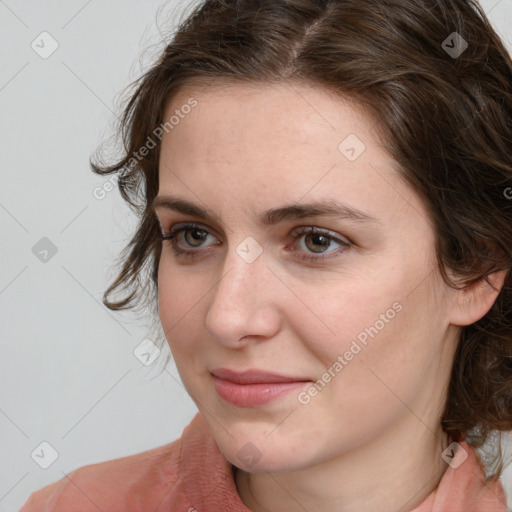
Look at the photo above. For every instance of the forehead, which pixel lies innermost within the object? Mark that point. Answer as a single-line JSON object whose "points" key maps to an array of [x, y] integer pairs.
{"points": [[284, 141], [283, 116], [266, 127]]}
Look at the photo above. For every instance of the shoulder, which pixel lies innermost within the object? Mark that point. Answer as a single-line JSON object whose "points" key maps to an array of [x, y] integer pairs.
{"points": [[131, 483]]}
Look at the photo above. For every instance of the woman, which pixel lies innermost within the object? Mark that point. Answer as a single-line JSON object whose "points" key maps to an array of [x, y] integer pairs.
{"points": [[324, 191]]}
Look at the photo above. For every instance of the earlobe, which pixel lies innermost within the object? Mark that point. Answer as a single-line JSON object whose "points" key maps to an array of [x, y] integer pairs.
{"points": [[475, 300]]}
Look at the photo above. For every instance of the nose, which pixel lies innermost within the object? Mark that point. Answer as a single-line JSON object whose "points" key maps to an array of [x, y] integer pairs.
{"points": [[245, 302]]}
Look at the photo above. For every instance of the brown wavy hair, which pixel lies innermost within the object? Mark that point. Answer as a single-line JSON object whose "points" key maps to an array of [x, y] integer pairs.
{"points": [[446, 119]]}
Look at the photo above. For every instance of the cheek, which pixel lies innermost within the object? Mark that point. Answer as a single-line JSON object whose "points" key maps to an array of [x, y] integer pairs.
{"points": [[362, 314], [178, 306], [180, 316], [340, 313], [387, 341]]}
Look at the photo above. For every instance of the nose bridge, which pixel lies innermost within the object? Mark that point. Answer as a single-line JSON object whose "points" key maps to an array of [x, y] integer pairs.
{"points": [[239, 304]]}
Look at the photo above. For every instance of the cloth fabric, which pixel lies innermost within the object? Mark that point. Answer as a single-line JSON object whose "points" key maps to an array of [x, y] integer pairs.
{"points": [[192, 475]]}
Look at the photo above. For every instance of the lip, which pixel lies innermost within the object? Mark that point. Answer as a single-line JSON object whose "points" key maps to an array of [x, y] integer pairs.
{"points": [[253, 387], [254, 376]]}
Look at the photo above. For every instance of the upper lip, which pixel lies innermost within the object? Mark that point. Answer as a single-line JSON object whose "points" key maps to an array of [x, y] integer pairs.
{"points": [[253, 376]]}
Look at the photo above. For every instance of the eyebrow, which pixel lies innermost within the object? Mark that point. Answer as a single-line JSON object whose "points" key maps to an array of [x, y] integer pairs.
{"points": [[327, 208]]}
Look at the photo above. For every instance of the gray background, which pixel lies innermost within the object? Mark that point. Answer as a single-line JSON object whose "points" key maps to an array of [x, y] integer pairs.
{"points": [[69, 376]]}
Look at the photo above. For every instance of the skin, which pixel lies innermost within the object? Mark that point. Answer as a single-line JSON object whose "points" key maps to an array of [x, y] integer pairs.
{"points": [[371, 439]]}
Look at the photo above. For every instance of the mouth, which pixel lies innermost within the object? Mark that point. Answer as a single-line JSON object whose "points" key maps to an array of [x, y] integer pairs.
{"points": [[253, 387]]}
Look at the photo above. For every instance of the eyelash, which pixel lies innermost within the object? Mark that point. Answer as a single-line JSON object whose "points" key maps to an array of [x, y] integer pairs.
{"points": [[297, 233]]}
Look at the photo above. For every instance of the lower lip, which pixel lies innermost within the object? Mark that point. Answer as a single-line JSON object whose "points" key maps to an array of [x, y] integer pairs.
{"points": [[249, 395]]}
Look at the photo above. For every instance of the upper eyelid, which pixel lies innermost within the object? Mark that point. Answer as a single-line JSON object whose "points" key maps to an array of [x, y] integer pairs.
{"points": [[298, 230], [162, 221], [186, 225]]}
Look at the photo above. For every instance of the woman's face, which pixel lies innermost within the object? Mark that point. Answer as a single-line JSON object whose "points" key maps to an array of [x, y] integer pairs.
{"points": [[360, 308]]}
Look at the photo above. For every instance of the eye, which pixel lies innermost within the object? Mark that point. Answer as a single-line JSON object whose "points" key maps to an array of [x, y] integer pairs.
{"points": [[187, 242], [194, 235], [318, 241]]}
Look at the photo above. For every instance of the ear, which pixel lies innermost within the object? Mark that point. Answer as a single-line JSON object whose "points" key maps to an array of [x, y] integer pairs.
{"points": [[475, 300]]}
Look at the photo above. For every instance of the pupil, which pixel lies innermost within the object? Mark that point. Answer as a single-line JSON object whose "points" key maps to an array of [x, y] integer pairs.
{"points": [[320, 237], [198, 235]]}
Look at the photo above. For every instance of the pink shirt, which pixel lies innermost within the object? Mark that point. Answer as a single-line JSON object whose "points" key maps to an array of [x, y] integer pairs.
{"points": [[191, 474]]}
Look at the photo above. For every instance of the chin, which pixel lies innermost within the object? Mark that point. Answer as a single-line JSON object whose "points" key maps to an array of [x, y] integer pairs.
{"points": [[255, 454], [275, 463]]}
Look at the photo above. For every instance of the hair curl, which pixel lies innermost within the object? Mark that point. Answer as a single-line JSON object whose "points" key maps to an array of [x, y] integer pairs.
{"points": [[446, 120]]}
